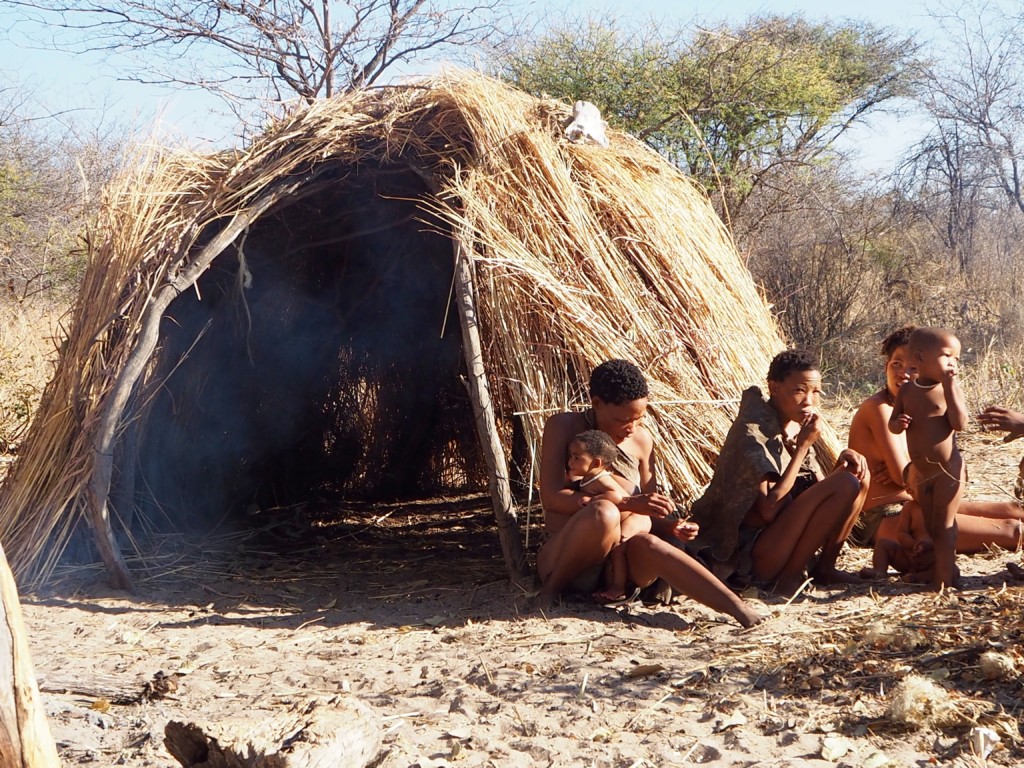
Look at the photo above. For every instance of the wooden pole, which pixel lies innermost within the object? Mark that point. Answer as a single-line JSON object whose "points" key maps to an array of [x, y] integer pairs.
{"points": [[483, 413], [25, 740]]}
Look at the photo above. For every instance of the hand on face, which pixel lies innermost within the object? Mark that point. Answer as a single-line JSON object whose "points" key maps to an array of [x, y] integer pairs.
{"points": [[810, 430]]}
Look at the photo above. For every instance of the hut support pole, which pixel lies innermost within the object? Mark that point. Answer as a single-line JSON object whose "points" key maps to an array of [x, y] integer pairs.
{"points": [[483, 413], [25, 739], [149, 335]]}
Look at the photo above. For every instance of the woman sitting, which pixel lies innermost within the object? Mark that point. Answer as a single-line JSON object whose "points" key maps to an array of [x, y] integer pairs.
{"points": [[979, 523], [770, 513], [583, 531]]}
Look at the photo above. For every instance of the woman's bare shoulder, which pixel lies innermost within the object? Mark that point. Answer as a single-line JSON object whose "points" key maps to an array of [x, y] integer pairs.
{"points": [[566, 423], [876, 405]]}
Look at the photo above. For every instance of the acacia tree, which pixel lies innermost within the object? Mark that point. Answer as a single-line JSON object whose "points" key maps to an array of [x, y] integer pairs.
{"points": [[282, 50], [736, 106]]}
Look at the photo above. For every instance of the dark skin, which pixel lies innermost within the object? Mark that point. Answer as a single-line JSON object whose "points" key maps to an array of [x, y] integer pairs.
{"points": [[583, 531], [820, 519]]}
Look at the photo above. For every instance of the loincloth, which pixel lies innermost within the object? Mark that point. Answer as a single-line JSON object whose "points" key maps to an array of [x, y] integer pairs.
{"points": [[870, 520]]}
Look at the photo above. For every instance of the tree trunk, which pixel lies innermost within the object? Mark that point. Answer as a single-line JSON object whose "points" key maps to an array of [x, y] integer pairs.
{"points": [[337, 733], [25, 740]]}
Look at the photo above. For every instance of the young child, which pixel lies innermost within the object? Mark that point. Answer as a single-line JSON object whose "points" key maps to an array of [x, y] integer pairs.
{"points": [[930, 409], [591, 454], [911, 554]]}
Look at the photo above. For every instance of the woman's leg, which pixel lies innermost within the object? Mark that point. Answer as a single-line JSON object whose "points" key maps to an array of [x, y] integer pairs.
{"points": [[819, 518], [995, 510], [975, 533], [583, 543], [648, 558]]}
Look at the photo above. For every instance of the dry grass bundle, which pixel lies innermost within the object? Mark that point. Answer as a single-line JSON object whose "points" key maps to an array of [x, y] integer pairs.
{"points": [[580, 254]]}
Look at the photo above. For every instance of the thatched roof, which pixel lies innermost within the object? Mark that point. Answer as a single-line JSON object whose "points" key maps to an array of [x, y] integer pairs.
{"points": [[579, 253]]}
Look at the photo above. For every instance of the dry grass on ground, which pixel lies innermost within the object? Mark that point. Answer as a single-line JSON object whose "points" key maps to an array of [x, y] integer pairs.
{"points": [[406, 608]]}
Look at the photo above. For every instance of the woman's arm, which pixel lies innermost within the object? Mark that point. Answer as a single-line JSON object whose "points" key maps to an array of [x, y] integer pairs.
{"points": [[555, 494], [607, 488], [891, 447], [649, 502], [773, 497]]}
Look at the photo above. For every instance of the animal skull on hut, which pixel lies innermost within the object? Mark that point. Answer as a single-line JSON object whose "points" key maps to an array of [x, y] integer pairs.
{"points": [[586, 125]]}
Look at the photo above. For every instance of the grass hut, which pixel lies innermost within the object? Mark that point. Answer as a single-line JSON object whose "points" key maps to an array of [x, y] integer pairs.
{"points": [[307, 313]]}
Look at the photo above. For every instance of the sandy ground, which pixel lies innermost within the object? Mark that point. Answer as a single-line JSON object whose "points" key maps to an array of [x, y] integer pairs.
{"points": [[407, 610]]}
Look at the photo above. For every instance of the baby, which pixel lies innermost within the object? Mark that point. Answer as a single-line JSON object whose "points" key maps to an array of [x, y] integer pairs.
{"points": [[591, 455], [912, 553], [930, 409]]}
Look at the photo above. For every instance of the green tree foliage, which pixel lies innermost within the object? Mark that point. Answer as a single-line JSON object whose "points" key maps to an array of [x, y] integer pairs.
{"points": [[736, 106]]}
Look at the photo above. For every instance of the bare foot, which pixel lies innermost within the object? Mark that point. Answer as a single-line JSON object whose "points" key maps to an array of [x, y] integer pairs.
{"points": [[610, 595], [872, 574], [789, 586], [542, 601]]}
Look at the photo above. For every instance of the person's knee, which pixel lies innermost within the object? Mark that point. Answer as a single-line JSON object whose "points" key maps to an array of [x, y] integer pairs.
{"points": [[604, 517], [845, 485]]}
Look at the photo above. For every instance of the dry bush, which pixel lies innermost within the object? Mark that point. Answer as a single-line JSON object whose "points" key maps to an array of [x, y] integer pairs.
{"points": [[28, 352]]}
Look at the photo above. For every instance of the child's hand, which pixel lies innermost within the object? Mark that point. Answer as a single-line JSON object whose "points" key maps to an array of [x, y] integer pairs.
{"points": [[810, 430], [584, 500], [948, 375], [902, 423], [685, 530]]}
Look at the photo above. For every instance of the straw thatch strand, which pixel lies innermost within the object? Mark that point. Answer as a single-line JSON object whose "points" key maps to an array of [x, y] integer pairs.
{"points": [[258, 326]]}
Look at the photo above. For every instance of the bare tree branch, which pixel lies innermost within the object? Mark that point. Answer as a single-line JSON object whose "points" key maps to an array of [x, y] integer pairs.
{"points": [[255, 51]]}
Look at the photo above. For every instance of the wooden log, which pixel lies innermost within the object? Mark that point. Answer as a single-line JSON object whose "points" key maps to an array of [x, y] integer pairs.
{"points": [[25, 740], [336, 733], [483, 413]]}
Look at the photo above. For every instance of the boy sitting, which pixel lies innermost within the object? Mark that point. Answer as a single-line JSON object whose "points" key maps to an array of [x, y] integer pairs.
{"points": [[911, 554]]}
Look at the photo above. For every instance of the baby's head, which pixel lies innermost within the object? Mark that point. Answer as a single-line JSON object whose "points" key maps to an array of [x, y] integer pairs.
{"points": [[591, 451], [934, 350]]}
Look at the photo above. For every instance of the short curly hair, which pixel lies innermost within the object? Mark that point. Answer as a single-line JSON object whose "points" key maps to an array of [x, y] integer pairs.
{"points": [[791, 360], [599, 445], [898, 338], [618, 381]]}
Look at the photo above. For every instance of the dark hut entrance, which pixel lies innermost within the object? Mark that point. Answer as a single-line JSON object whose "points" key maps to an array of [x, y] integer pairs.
{"points": [[319, 355]]}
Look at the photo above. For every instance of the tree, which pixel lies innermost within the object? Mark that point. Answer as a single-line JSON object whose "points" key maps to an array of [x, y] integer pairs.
{"points": [[51, 170], [282, 50], [976, 88], [737, 107]]}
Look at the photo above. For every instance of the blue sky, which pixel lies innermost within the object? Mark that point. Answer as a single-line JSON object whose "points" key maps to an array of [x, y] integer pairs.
{"points": [[87, 86]]}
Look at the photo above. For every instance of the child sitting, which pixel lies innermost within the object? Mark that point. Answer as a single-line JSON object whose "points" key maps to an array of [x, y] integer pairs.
{"points": [[911, 554], [591, 454], [930, 409]]}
